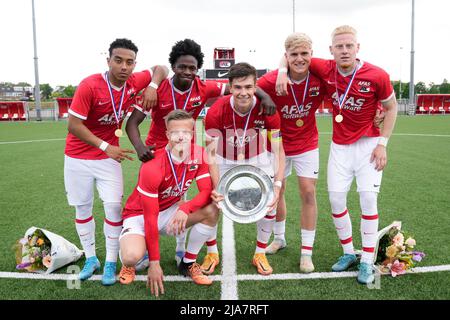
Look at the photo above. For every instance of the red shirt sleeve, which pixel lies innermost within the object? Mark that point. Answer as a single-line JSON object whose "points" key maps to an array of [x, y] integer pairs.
{"points": [[204, 185], [385, 88], [148, 185], [274, 121], [213, 119], [82, 101], [265, 85], [214, 89], [321, 67], [142, 79]]}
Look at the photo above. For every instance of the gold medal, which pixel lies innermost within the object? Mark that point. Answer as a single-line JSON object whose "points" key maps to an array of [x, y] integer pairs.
{"points": [[299, 122], [241, 156], [339, 118], [118, 133]]}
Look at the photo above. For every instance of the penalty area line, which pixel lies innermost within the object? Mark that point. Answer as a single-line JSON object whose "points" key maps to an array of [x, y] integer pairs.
{"points": [[243, 277]]}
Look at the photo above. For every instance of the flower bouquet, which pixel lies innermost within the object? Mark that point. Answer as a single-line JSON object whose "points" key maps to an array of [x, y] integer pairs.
{"points": [[42, 251], [396, 253], [33, 252]]}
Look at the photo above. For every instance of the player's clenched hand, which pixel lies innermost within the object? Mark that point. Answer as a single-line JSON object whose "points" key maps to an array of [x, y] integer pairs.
{"points": [[380, 157], [379, 118], [145, 153], [281, 84], [216, 197], [118, 154], [149, 98], [178, 223], [267, 106], [155, 278]]}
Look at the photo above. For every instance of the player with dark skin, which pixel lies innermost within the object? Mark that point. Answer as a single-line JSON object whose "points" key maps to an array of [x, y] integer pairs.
{"points": [[185, 68]]}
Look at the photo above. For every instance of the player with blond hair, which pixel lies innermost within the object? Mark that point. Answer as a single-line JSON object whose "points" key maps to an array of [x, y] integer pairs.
{"points": [[300, 141], [358, 147]]}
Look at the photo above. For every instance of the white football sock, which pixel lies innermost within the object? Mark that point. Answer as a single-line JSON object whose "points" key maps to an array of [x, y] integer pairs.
{"points": [[181, 242], [85, 225], [341, 219], [112, 227], [369, 225], [264, 230], [307, 241], [279, 229], [211, 244], [199, 234]]}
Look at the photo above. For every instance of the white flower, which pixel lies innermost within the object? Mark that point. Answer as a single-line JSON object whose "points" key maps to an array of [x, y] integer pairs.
{"points": [[410, 242]]}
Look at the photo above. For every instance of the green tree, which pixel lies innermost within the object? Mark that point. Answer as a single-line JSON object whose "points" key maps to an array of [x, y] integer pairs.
{"points": [[24, 84], [444, 87], [433, 88], [420, 87], [69, 91], [46, 91]]}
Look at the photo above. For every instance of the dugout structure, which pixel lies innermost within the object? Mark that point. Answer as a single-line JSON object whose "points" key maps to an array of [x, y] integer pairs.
{"points": [[13, 111], [433, 104]]}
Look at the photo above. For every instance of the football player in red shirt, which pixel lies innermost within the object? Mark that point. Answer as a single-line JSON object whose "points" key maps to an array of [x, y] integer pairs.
{"points": [[184, 91], [358, 149], [235, 133], [93, 155], [154, 206], [300, 141]]}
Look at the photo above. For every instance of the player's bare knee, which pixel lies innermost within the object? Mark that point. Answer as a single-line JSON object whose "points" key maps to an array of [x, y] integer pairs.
{"points": [[131, 257], [211, 215], [309, 197]]}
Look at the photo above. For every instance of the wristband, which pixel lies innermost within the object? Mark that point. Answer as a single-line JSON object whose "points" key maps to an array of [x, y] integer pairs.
{"points": [[383, 141], [282, 70], [278, 184], [153, 85], [103, 145]]}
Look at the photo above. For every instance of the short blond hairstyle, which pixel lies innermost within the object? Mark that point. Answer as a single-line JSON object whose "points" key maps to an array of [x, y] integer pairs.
{"points": [[178, 114], [345, 29], [297, 39]]}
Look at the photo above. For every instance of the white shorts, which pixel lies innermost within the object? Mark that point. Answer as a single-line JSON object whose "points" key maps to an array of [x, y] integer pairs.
{"points": [[80, 176], [353, 160], [263, 161], [306, 164], [135, 225]]}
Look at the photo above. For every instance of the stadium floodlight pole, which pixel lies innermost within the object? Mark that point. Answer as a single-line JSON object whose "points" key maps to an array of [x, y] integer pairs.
{"points": [[411, 81], [37, 90], [400, 76], [293, 15]]}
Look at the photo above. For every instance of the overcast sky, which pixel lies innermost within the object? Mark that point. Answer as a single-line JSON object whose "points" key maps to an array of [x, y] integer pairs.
{"points": [[73, 36]]}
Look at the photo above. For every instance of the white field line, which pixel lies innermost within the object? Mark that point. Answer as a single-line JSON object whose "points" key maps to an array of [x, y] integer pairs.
{"points": [[229, 279], [328, 133], [242, 277], [31, 141]]}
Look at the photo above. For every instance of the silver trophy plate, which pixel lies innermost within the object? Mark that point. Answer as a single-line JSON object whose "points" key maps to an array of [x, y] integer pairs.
{"points": [[247, 191]]}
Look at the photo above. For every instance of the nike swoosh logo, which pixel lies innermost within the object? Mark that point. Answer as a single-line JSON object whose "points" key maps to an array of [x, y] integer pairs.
{"points": [[220, 75], [376, 185], [369, 233], [102, 103], [330, 82], [316, 172], [166, 178], [165, 105]]}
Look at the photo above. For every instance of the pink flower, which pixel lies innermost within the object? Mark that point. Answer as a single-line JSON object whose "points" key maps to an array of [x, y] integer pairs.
{"points": [[399, 239], [47, 261], [398, 268]]}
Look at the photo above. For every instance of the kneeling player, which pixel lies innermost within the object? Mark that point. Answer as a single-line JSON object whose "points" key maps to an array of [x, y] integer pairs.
{"points": [[153, 207], [236, 134]]}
